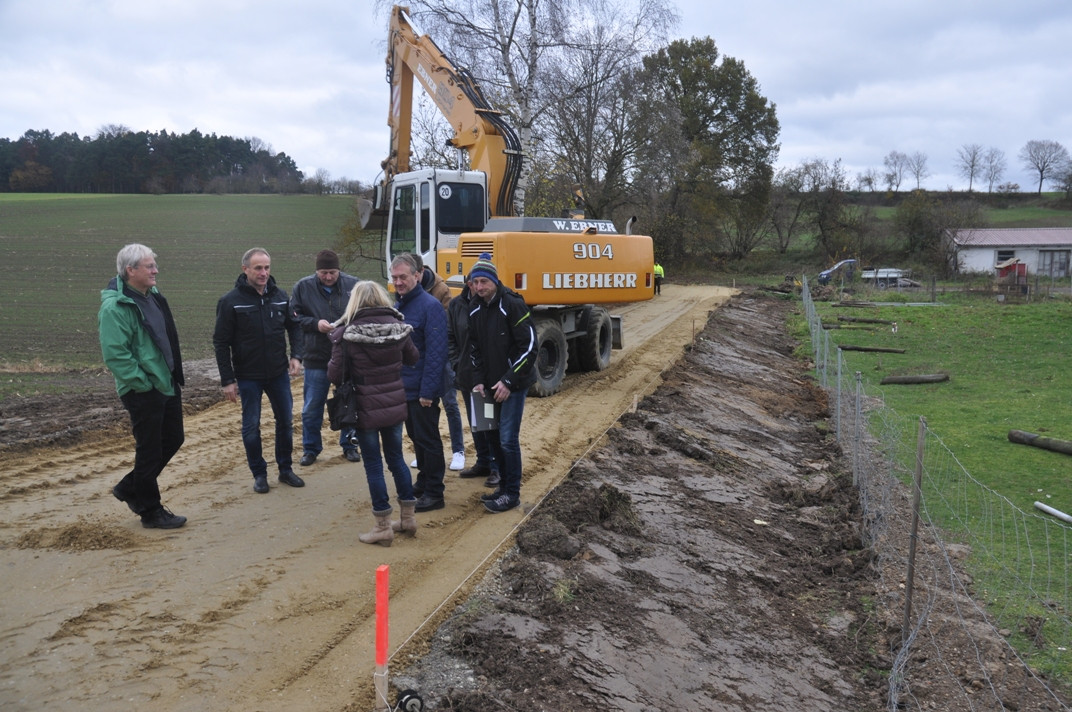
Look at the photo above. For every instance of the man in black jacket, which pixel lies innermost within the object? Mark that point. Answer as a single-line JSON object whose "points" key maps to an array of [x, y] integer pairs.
{"points": [[316, 302], [502, 345], [458, 355], [253, 321]]}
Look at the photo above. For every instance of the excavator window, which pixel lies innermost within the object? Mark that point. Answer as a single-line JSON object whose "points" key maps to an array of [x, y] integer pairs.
{"points": [[404, 220], [460, 207], [426, 209]]}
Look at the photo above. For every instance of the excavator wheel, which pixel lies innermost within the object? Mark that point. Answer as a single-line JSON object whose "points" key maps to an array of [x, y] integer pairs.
{"points": [[551, 358], [595, 346]]}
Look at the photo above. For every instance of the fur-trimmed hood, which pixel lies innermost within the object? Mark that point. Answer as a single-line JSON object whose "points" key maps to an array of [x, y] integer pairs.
{"points": [[369, 327]]}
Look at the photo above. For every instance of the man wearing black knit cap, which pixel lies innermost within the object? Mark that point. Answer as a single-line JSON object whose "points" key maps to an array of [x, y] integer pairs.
{"points": [[502, 346], [316, 302]]}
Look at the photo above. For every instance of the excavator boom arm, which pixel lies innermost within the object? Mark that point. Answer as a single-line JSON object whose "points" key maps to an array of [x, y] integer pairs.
{"points": [[479, 129]]}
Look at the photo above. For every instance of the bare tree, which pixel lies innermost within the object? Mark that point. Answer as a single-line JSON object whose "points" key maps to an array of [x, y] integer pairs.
{"points": [[868, 180], [429, 147], [1064, 182], [917, 166], [787, 207], [970, 162], [993, 167], [112, 131], [514, 47], [256, 145], [587, 131], [1048, 159], [896, 165], [824, 186]]}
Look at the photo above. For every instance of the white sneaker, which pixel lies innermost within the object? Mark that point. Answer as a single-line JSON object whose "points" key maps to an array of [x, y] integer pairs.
{"points": [[458, 461], [414, 463]]}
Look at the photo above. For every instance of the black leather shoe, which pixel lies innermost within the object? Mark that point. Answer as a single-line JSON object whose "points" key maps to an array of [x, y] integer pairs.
{"points": [[123, 498], [307, 459], [427, 503], [260, 484], [352, 455], [475, 471], [493, 480], [162, 518], [288, 477], [490, 496]]}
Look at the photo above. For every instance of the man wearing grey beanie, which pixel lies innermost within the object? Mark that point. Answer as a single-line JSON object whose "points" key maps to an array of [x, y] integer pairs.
{"points": [[316, 302]]}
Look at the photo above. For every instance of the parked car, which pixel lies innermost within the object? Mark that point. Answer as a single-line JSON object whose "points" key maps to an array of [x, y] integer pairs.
{"points": [[827, 274], [888, 277]]}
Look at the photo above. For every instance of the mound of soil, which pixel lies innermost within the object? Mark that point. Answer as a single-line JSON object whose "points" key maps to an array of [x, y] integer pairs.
{"points": [[707, 556]]}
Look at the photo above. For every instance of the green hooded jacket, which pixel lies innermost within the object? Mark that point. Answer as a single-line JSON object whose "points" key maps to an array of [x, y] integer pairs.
{"points": [[128, 347]]}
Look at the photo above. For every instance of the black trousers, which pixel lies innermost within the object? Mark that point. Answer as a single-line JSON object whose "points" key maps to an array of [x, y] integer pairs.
{"points": [[422, 427], [156, 422]]}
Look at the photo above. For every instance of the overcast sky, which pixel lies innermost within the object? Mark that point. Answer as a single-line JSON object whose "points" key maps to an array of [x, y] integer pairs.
{"points": [[851, 80]]}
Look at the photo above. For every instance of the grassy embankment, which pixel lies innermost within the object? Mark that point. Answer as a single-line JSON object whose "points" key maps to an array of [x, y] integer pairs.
{"points": [[58, 251], [1008, 369]]}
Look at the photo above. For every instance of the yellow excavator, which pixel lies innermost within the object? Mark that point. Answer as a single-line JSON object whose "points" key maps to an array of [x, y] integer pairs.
{"points": [[567, 269]]}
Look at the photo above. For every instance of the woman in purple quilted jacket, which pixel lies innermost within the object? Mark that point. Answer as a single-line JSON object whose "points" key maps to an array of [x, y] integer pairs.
{"points": [[369, 348]]}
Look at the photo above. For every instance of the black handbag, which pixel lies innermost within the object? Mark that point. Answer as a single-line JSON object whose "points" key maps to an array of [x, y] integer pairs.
{"points": [[342, 406]]}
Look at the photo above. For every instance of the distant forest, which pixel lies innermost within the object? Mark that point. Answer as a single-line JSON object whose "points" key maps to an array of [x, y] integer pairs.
{"points": [[118, 160]]}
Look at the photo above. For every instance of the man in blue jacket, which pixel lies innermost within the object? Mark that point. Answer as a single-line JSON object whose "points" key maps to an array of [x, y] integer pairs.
{"points": [[316, 302], [140, 346], [253, 322], [502, 346], [424, 379]]}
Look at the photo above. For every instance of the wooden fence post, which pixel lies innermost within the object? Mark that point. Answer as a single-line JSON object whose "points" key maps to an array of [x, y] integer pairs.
{"points": [[917, 492]]}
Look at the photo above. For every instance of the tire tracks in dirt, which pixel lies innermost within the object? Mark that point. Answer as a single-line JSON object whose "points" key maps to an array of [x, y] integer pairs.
{"points": [[264, 602]]}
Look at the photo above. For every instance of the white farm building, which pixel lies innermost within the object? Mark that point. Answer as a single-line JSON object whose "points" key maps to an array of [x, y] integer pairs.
{"points": [[1045, 251]]}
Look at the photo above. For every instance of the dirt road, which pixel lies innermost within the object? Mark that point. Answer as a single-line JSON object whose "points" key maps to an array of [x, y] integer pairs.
{"points": [[262, 602]]}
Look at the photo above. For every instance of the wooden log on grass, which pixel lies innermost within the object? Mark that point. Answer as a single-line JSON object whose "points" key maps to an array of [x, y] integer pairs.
{"points": [[877, 349], [1036, 440], [921, 378], [862, 320]]}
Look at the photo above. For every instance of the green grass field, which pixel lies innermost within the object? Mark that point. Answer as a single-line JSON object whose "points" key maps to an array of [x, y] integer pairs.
{"points": [[58, 251], [1008, 369]]}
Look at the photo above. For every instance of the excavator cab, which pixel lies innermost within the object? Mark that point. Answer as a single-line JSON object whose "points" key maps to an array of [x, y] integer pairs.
{"points": [[429, 209]]}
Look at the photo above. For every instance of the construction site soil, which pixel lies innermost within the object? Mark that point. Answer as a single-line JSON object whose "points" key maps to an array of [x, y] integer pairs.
{"points": [[689, 539]]}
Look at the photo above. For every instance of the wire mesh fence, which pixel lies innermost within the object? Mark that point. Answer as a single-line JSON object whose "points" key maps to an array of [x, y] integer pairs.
{"points": [[988, 603]]}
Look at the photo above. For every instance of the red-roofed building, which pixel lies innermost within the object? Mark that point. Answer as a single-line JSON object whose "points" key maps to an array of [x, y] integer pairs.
{"points": [[1046, 251]]}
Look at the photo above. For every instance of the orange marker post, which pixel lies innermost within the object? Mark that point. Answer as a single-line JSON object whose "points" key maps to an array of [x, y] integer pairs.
{"points": [[380, 678]]}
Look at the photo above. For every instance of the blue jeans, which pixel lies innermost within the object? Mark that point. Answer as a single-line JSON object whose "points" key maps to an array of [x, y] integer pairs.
{"points": [[422, 426], [507, 447], [450, 407], [278, 392], [315, 395], [369, 442], [481, 439]]}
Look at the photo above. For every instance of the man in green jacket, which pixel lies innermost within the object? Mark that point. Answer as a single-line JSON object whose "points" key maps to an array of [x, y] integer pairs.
{"points": [[140, 346]]}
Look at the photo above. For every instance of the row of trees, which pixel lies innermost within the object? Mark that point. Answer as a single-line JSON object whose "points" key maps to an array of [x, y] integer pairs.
{"points": [[1047, 160], [119, 160], [814, 198], [672, 132], [676, 134]]}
